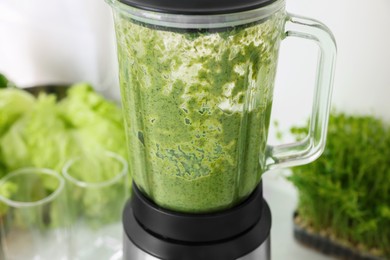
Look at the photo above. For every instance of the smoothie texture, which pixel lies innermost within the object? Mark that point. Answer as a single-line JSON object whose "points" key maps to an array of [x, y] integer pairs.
{"points": [[197, 108]]}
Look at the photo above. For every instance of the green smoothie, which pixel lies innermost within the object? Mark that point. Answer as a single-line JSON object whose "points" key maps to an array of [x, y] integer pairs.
{"points": [[197, 107]]}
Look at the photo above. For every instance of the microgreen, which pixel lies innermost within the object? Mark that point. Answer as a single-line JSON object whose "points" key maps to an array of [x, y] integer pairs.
{"points": [[346, 192]]}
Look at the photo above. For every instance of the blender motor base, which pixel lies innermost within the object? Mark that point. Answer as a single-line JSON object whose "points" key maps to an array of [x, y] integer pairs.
{"points": [[239, 233], [132, 252]]}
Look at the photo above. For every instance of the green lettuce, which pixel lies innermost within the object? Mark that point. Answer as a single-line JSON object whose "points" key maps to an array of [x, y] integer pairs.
{"points": [[45, 132], [6, 83], [99, 123]]}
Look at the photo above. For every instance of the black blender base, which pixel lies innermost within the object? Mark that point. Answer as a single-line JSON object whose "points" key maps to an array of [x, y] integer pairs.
{"points": [[132, 252], [241, 233]]}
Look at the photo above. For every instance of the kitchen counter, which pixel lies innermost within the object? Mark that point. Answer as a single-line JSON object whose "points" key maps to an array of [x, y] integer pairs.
{"points": [[282, 198]]}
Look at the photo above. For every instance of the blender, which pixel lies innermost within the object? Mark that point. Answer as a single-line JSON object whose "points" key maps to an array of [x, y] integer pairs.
{"points": [[197, 82]]}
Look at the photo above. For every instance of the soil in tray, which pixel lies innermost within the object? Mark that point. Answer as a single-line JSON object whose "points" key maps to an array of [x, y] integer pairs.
{"points": [[328, 245]]}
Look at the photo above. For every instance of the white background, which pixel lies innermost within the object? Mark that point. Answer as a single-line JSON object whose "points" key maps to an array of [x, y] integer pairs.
{"points": [[362, 81], [64, 41]]}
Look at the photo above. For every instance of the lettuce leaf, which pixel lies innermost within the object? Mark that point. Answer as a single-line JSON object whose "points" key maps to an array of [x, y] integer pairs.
{"points": [[44, 132], [99, 123]]}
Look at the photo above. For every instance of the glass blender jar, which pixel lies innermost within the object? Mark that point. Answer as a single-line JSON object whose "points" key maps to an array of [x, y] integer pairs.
{"points": [[197, 82]]}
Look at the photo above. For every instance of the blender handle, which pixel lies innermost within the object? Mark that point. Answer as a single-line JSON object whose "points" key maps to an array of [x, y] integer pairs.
{"points": [[312, 146]]}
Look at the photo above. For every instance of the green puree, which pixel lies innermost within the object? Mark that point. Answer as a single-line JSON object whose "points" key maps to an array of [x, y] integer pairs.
{"points": [[197, 110]]}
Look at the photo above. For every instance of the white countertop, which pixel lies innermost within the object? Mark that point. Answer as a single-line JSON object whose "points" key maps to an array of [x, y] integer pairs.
{"points": [[282, 198]]}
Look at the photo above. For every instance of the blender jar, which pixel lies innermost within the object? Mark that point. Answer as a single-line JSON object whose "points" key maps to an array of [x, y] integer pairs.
{"points": [[197, 84]]}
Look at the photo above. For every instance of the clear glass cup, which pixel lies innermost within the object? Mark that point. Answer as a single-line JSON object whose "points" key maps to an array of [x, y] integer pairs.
{"points": [[197, 92], [97, 188], [34, 220]]}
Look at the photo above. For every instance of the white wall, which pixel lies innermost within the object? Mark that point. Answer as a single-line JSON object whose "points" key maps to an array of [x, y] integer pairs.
{"points": [[362, 82], [58, 41], [362, 31]]}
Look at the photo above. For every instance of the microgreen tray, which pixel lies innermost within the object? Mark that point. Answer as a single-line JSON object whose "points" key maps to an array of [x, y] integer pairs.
{"points": [[327, 245]]}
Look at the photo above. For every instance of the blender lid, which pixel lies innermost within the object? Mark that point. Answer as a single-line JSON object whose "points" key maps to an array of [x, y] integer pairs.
{"points": [[197, 7]]}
